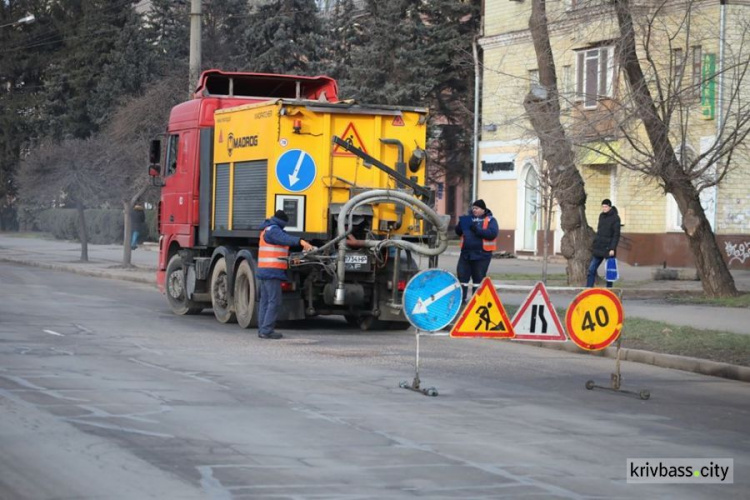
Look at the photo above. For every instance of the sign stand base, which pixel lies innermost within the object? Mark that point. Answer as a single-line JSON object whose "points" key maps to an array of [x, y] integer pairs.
{"points": [[616, 379], [416, 383]]}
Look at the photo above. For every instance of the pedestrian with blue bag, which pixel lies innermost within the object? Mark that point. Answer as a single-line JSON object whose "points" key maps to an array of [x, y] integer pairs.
{"points": [[605, 244]]}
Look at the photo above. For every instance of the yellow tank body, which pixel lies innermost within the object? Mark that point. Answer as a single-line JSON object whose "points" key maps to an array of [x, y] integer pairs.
{"points": [[288, 146]]}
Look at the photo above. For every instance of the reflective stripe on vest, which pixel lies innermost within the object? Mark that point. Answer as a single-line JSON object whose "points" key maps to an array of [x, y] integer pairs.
{"points": [[487, 245], [272, 256]]}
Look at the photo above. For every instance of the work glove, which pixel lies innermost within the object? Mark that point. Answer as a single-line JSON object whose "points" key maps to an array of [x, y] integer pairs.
{"points": [[474, 228]]}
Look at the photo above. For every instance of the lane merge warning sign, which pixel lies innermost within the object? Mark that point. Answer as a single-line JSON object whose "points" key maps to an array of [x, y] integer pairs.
{"points": [[484, 316], [537, 319], [594, 319]]}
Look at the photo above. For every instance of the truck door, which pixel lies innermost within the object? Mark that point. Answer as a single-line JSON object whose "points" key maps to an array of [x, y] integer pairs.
{"points": [[177, 192]]}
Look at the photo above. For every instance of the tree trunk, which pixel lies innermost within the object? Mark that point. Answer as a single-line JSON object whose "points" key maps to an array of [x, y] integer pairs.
{"points": [[128, 226], [715, 277], [83, 235], [567, 185], [127, 233]]}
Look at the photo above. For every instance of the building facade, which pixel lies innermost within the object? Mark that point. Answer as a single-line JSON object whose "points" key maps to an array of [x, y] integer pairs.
{"points": [[692, 52]]}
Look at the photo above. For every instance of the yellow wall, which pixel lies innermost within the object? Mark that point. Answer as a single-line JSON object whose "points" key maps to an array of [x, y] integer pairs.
{"points": [[509, 56]]}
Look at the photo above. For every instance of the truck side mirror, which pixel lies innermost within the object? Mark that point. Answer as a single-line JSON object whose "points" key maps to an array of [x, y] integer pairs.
{"points": [[154, 154]]}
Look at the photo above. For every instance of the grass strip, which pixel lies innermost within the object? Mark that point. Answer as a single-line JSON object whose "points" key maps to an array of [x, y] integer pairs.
{"points": [[658, 336]]}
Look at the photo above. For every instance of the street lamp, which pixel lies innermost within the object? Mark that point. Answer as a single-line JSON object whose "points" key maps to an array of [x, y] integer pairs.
{"points": [[28, 18]]}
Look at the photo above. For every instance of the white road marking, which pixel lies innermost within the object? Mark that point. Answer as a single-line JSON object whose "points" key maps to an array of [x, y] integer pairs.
{"points": [[53, 333]]}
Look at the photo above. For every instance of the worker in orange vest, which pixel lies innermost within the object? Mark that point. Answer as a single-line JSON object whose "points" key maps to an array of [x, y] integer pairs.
{"points": [[478, 231], [273, 253]]}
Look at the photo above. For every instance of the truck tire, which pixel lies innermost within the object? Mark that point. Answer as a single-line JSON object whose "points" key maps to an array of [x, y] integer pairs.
{"points": [[245, 293], [220, 300], [176, 294]]}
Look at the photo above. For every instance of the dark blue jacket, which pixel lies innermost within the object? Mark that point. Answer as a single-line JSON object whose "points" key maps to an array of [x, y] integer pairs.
{"points": [[275, 235], [472, 248]]}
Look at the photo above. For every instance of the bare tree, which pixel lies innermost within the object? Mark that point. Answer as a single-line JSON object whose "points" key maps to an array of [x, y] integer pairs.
{"points": [[133, 125], [567, 187], [663, 102], [73, 171]]}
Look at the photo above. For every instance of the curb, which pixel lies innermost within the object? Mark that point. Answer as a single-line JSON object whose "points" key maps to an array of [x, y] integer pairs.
{"points": [[671, 361], [95, 273]]}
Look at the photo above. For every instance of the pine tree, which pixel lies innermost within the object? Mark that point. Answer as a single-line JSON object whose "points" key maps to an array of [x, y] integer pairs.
{"points": [[25, 50], [284, 36], [98, 37]]}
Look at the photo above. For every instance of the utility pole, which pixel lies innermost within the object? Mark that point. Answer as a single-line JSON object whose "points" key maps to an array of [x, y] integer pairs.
{"points": [[195, 45]]}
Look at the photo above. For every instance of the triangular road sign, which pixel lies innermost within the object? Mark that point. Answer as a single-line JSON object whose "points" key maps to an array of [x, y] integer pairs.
{"points": [[537, 319], [351, 136], [485, 316]]}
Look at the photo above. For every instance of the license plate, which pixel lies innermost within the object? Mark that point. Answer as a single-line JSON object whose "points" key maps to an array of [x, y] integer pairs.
{"points": [[355, 259], [357, 262]]}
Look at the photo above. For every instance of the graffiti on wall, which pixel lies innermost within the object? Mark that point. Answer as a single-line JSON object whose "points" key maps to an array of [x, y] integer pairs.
{"points": [[737, 251]]}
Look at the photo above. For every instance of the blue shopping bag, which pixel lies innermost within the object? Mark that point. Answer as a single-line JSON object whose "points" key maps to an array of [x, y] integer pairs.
{"points": [[612, 273]]}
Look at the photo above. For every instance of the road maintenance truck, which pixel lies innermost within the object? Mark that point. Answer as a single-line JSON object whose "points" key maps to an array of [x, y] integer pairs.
{"points": [[349, 176]]}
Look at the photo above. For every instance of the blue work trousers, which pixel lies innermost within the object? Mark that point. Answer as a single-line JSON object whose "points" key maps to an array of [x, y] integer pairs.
{"points": [[593, 267], [270, 303], [474, 270]]}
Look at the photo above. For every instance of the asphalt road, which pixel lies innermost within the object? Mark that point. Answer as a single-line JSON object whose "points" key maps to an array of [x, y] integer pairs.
{"points": [[105, 394]]}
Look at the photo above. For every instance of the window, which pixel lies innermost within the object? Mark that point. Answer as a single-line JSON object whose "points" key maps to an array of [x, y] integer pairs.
{"points": [[171, 161], [567, 87], [678, 64], [533, 78], [695, 80], [595, 72]]}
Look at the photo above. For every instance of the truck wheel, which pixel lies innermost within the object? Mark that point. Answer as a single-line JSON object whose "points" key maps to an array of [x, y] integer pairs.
{"points": [[244, 296], [176, 294], [367, 323], [219, 294]]}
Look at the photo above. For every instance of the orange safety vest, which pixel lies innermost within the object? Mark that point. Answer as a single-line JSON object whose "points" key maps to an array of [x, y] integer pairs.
{"points": [[272, 256], [487, 245]]}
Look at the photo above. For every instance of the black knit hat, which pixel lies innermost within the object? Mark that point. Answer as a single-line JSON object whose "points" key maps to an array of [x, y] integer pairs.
{"points": [[281, 215], [480, 204], [607, 201]]}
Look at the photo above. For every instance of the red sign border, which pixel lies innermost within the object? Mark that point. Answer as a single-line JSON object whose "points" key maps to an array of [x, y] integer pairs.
{"points": [[539, 286], [486, 282], [336, 150], [569, 319]]}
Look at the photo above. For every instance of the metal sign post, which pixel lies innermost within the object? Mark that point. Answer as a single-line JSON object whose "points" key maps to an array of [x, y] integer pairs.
{"points": [[594, 321], [432, 299]]}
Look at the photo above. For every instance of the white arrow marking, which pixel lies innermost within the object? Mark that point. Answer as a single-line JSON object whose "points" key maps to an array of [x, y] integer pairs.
{"points": [[52, 332], [421, 307], [293, 179]]}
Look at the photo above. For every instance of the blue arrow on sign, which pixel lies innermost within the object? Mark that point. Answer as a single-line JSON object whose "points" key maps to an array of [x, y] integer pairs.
{"points": [[432, 299], [295, 170]]}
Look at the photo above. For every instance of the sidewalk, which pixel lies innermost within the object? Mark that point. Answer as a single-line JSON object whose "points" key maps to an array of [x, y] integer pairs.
{"points": [[640, 297]]}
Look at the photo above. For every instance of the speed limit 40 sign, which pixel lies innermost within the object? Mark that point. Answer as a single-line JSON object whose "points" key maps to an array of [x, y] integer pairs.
{"points": [[594, 319]]}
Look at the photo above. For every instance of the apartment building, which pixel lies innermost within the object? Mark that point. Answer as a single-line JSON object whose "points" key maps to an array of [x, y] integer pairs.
{"points": [[693, 53]]}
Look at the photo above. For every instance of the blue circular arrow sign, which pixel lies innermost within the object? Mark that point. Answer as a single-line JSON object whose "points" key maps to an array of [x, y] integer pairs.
{"points": [[432, 299], [295, 170]]}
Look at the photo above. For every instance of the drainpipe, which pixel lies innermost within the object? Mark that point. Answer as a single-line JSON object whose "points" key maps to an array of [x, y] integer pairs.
{"points": [[477, 69], [720, 111]]}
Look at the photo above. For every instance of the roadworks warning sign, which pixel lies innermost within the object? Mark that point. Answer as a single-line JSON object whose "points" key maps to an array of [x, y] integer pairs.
{"points": [[351, 136], [485, 316]]}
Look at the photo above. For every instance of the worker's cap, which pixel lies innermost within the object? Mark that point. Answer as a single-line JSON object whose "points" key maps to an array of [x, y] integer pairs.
{"points": [[607, 201], [480, 204], [281, 215]]}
